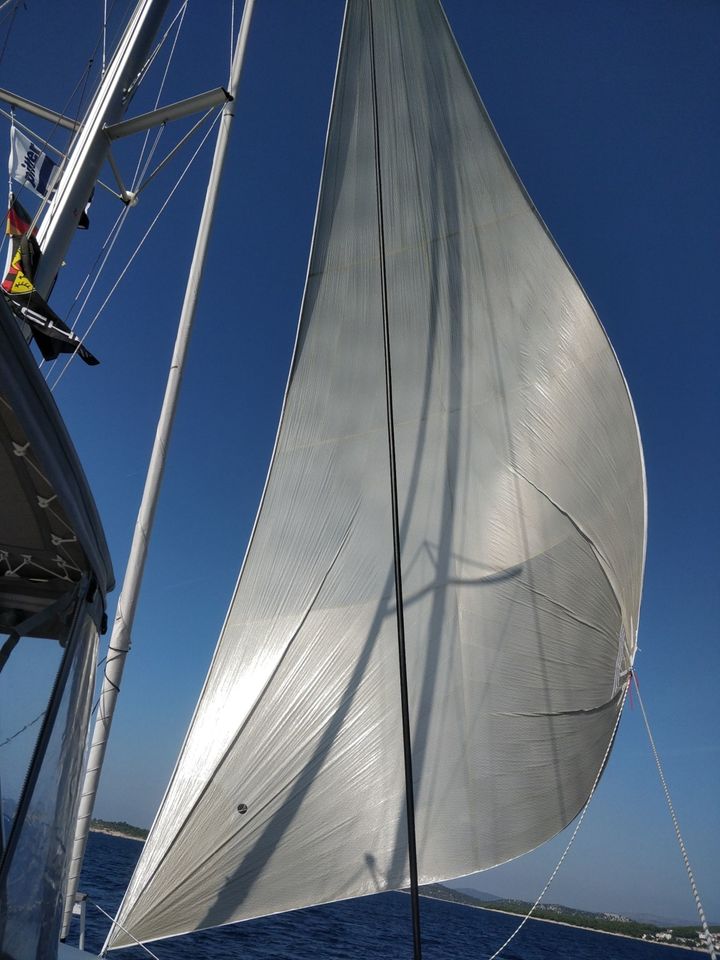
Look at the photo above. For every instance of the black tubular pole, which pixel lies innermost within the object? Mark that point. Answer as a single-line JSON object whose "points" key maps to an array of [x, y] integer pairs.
{"points": [[404, 703]]}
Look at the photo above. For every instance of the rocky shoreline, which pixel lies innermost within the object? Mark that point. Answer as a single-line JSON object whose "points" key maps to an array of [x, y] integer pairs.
{"points": [[114, 828]]}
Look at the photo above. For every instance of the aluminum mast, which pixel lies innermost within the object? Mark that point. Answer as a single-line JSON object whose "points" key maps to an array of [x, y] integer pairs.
{"points": [[127, 603], [92, 146]]}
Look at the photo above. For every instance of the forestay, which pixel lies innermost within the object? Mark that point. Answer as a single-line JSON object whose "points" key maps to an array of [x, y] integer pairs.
{"points": [[522, 522]]}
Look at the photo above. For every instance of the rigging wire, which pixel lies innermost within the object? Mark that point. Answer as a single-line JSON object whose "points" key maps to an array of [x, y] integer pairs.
{"points": [[104, 38], [676, 825], [94, 270], [60, 154], [570, 842], [10, 115], [178, 146], [31, 723], [81, 98], [137, 176], [107, 246], [137, 249], [45, 144], [232, 33], [141, 167], [149, 62], [100, 41], [82, 81], [12, 14], [140, 173], [115, 923], [6, 235], [22, 729]]}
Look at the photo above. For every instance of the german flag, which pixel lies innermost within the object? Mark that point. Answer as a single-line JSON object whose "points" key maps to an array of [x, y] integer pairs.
{"points": [[25, 254], [51, 334], [18, 219]]}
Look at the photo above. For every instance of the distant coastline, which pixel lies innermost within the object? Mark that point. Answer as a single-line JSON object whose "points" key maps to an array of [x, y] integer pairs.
{"points": [[118, 828], [684, 937], [577, 926]]}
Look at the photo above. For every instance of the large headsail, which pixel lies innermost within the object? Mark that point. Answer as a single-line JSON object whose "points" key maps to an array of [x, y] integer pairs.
{"points": [[522, 523]]}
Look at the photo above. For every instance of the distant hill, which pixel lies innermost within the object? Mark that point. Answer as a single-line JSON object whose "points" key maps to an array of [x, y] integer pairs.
{"points": [[663, 921], [471, 898], [685, 935], [118, 828], [482, 895]]}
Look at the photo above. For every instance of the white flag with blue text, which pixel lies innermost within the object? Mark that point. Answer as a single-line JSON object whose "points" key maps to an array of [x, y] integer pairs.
{"points": [[31, 166]]}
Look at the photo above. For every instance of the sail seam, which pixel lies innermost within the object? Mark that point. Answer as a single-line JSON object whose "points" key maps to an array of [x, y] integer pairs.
{"points": [[583, 712], [603, 560]]}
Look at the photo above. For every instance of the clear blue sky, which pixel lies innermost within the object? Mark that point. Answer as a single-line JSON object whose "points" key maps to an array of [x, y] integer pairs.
{"points": [[610, 113]]}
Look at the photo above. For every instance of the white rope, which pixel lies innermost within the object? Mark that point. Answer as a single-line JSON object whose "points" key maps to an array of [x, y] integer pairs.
{"points": [[232, 32], [12, 128], [676, 825], [141, 169], [116, 924], [108, 245], [151, 59], [19, 193], [94, 273], [178, 146], [116, 227], [139, 175], [9, 114], [570, 842], [181, 14], [6, 235], [104, 38], [140, 172], [17, 733], [49, 147], [137, 250]]}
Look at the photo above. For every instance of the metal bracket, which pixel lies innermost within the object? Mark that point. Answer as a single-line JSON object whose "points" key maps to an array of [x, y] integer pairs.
{"points": [[125, 194], [38, 110], [175, 111]]}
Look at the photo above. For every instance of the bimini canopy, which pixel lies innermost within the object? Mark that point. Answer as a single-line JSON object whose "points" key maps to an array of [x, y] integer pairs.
{"points": [[50, 532]]}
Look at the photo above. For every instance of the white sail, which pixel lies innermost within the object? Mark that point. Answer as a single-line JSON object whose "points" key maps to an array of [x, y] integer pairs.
{"points": [[522, 524]]}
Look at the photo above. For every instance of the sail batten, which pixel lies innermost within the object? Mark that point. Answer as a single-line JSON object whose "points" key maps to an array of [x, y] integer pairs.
{"points": [[521, 518]]}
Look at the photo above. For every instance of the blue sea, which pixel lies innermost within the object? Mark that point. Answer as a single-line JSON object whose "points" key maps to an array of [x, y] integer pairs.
{"points": [[370, 928]]}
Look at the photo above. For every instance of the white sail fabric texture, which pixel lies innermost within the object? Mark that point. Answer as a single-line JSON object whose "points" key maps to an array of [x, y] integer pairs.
{"points": [[522, 526]]}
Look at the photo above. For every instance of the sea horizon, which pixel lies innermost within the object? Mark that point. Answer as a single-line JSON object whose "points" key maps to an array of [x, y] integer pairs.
{"points": [[378, 926]]}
